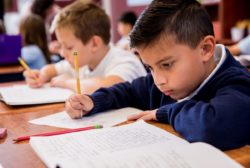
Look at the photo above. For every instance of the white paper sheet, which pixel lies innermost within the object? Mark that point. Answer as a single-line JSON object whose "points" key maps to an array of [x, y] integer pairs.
{"points": [[137, 145], [107, 119], [88, 145], [24, 95]]}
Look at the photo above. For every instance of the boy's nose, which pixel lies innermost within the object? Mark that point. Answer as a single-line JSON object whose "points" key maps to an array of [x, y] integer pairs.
{"points": [[159, 78]]}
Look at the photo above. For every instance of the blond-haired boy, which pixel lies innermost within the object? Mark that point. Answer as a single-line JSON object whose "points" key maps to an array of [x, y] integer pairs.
{"points": [[85, 28]]}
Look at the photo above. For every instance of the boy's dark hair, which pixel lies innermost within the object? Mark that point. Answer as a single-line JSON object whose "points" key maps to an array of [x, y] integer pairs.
{"points": [[40, 7], [128, 17], [185, 20], [86, 20]]}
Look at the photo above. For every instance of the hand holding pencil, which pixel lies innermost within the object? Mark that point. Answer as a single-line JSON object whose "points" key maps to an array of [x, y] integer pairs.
{"points": [[32, 77], [78, 105]]}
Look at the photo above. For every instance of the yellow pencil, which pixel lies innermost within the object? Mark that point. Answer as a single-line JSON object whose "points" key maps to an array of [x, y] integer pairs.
{"points": [[77, 73], [23, 63], [26, 67]]}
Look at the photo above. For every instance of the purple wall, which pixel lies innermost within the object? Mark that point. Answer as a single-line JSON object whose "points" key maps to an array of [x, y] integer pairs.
{"points": [[117, 8]]}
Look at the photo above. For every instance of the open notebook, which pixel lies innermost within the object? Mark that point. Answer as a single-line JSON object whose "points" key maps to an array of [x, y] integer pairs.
{"points": [[137, 145], [24, 95]]}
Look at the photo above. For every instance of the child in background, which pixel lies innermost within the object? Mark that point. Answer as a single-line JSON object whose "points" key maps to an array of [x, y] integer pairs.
{"points": [[35, 50], [48, 9], [241, 51], [194, 85], [242, 47], [85, 28], [125, 25]]}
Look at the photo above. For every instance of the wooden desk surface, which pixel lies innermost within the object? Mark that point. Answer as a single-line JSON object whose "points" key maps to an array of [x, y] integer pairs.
{"points": [[6, 109], [15, 119], [21, 154], [11, 69]]}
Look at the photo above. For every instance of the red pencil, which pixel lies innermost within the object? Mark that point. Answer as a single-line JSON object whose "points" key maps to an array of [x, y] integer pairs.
{"points": [[23, 138]]}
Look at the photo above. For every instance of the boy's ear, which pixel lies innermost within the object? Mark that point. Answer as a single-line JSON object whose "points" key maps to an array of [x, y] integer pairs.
{"points": [[207, 47], [95, 42]]}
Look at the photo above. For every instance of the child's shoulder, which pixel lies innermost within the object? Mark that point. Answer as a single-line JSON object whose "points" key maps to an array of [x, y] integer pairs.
{"points": [[32, 51]]}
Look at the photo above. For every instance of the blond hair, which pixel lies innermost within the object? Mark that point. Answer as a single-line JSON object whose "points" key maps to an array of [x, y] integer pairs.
{"points": [[85, 19]]}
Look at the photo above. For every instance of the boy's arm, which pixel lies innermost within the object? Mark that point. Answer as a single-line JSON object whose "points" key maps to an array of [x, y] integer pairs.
{"points": [[48, 72], [92, 84], [135, 94], [222, 121], [88, 86], [234, 49]]}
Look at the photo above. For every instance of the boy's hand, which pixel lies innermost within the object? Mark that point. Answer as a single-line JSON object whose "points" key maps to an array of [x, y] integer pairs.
{"points": [[60, 81], [33, 78], [78, 105], [146, 116]]}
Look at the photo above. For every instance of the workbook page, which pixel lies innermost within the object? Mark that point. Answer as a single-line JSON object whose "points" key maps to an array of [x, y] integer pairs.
{"points": [[84, 147], [159, 155]]}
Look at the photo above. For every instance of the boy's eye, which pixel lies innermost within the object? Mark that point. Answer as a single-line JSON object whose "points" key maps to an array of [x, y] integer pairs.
{"points": [[167, 65], [69, 48]]}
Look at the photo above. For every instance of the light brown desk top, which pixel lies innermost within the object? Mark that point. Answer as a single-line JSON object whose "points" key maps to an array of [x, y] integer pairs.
{"points": [[15, 119], [11, 69], [21, 154], [6, 109]]}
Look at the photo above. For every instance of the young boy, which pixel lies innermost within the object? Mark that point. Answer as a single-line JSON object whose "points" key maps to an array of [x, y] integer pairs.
{"points": [[85, 28], [125, 25], [194, 85]]}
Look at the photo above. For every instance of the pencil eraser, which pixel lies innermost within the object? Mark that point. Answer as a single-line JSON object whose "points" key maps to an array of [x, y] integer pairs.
{"points": [[3, 132]]}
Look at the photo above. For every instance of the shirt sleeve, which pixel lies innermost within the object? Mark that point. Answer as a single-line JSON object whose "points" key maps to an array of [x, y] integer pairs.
{"points": [[223, 121], [63, 67], [135, 94], [129, 69]]}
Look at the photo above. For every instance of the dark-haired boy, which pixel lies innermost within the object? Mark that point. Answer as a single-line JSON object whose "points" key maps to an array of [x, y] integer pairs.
{"points": [[194, 85]]}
